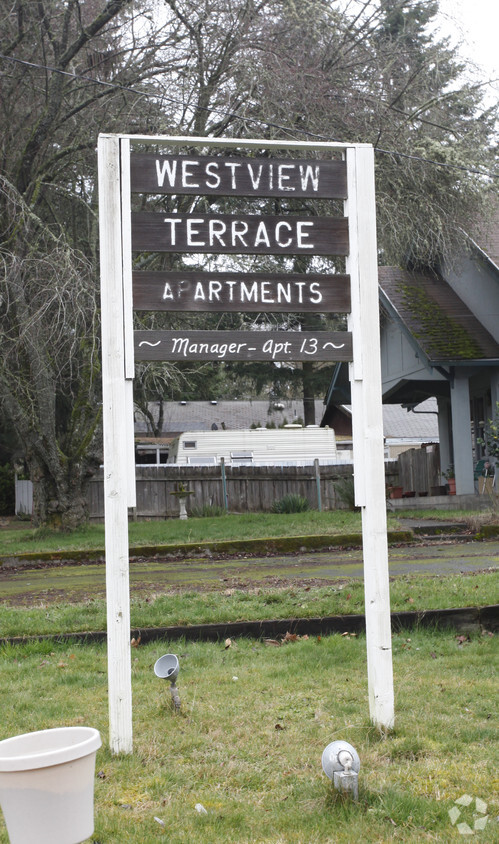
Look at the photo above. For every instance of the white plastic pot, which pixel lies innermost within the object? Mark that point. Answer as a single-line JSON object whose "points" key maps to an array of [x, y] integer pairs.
{"points": [[47, 785]]}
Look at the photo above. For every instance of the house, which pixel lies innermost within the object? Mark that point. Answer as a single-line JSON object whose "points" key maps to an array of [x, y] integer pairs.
{"points": [[404, 427], [440, 338]]}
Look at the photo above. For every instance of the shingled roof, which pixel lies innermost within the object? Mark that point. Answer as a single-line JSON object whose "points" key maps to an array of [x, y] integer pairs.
{"points": [[430, 311]]}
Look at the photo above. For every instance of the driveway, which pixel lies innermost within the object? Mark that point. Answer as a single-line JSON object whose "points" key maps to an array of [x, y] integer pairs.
{"points": [[75, 582]]}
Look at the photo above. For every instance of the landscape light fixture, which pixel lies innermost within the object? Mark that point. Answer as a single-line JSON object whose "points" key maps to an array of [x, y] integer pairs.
{"points": [[167, 668], [341, 763]]}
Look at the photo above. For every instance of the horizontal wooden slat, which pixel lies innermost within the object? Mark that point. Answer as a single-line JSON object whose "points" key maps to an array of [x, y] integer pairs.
{"points": [[243, 345], [199, 291], [252, 234], [210, 175]]}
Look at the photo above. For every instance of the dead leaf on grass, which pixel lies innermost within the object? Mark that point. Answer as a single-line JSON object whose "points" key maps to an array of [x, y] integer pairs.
{"points": [[273, 642], [228, 643], [462, 640]]}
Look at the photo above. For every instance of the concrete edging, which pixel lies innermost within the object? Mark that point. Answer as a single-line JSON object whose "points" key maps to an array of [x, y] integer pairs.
{"points": [[227, 546], [461, 620]]}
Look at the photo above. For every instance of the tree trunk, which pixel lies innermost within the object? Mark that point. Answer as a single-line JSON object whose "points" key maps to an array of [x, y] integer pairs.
{"points": [[59, 503]]}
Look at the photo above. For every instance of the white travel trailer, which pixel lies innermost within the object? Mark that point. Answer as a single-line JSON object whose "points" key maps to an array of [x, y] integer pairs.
{"points": [[289, 446]]}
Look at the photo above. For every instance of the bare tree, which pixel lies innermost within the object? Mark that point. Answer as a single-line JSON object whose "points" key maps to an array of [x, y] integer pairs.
{"points": [[49, 361], [67, 71]]}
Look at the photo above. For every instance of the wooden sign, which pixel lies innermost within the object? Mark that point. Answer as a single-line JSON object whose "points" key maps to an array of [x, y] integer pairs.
{"points": [[199, 291], [207, 175], [243, 345], [252, 234]]}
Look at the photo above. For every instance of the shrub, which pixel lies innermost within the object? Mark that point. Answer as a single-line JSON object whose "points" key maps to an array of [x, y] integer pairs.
{"points": [[345, 491], [291, 503]]}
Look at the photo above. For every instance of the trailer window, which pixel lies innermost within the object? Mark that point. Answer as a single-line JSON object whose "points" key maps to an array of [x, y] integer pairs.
{"points": [[241, 456], [189, 444]]}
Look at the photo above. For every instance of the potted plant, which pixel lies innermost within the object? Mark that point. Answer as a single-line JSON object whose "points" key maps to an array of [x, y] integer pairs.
{"points": [[450, 476]]}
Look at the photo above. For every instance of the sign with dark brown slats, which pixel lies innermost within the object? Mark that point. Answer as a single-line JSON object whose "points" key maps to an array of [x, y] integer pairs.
{"points": [[243, 345], [203, 291], [245, 234], [208, 175]]}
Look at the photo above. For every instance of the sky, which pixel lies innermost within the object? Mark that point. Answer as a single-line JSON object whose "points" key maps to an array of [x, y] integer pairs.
{"points": [[474, 26]]}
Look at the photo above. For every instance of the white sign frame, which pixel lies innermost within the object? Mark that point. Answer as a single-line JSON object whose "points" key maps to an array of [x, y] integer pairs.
{"points": [[117, 378]]}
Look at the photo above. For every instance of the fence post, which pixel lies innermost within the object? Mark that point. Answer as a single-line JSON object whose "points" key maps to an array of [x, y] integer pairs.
{"points": [[318, 483], [224, 484]]}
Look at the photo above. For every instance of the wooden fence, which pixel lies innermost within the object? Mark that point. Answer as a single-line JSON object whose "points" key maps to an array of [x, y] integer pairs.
{"points": [[419, 471], [246, 488]]}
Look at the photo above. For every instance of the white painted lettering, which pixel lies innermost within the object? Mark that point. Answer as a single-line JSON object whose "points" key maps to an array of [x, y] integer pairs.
{"points": [[265, 293], [179, 345], [187, 174], [300, 285], [168, 292], [232, 165], [279, 226], [261, 235], [250, 294], [301, 235], [315, 293], [214, 288], [199, 292], [284, 177], [274, 349], [239, 229], [308, 173], [231, 285], [255, 180], [165, 168], [309, 346], [192, 232], [283, 292], [212, 170], [173, 222], [216, 229]]}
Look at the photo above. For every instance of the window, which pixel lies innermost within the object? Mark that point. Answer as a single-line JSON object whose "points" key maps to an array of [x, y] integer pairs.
{"points": [[241, 456]]}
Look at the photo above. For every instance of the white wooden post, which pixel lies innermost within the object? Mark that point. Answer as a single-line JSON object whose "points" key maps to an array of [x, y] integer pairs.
{"points": [[116, 446], [367, 422]]}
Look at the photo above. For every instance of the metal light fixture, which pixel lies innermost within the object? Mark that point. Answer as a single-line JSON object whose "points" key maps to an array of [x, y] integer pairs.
{"points": [[167, 668], [341, 763]]}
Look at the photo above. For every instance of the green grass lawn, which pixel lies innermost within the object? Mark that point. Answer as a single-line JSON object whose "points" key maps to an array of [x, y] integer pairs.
{"points": [[175, 531], [411, 592], [18, 537], [254, 721]]}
